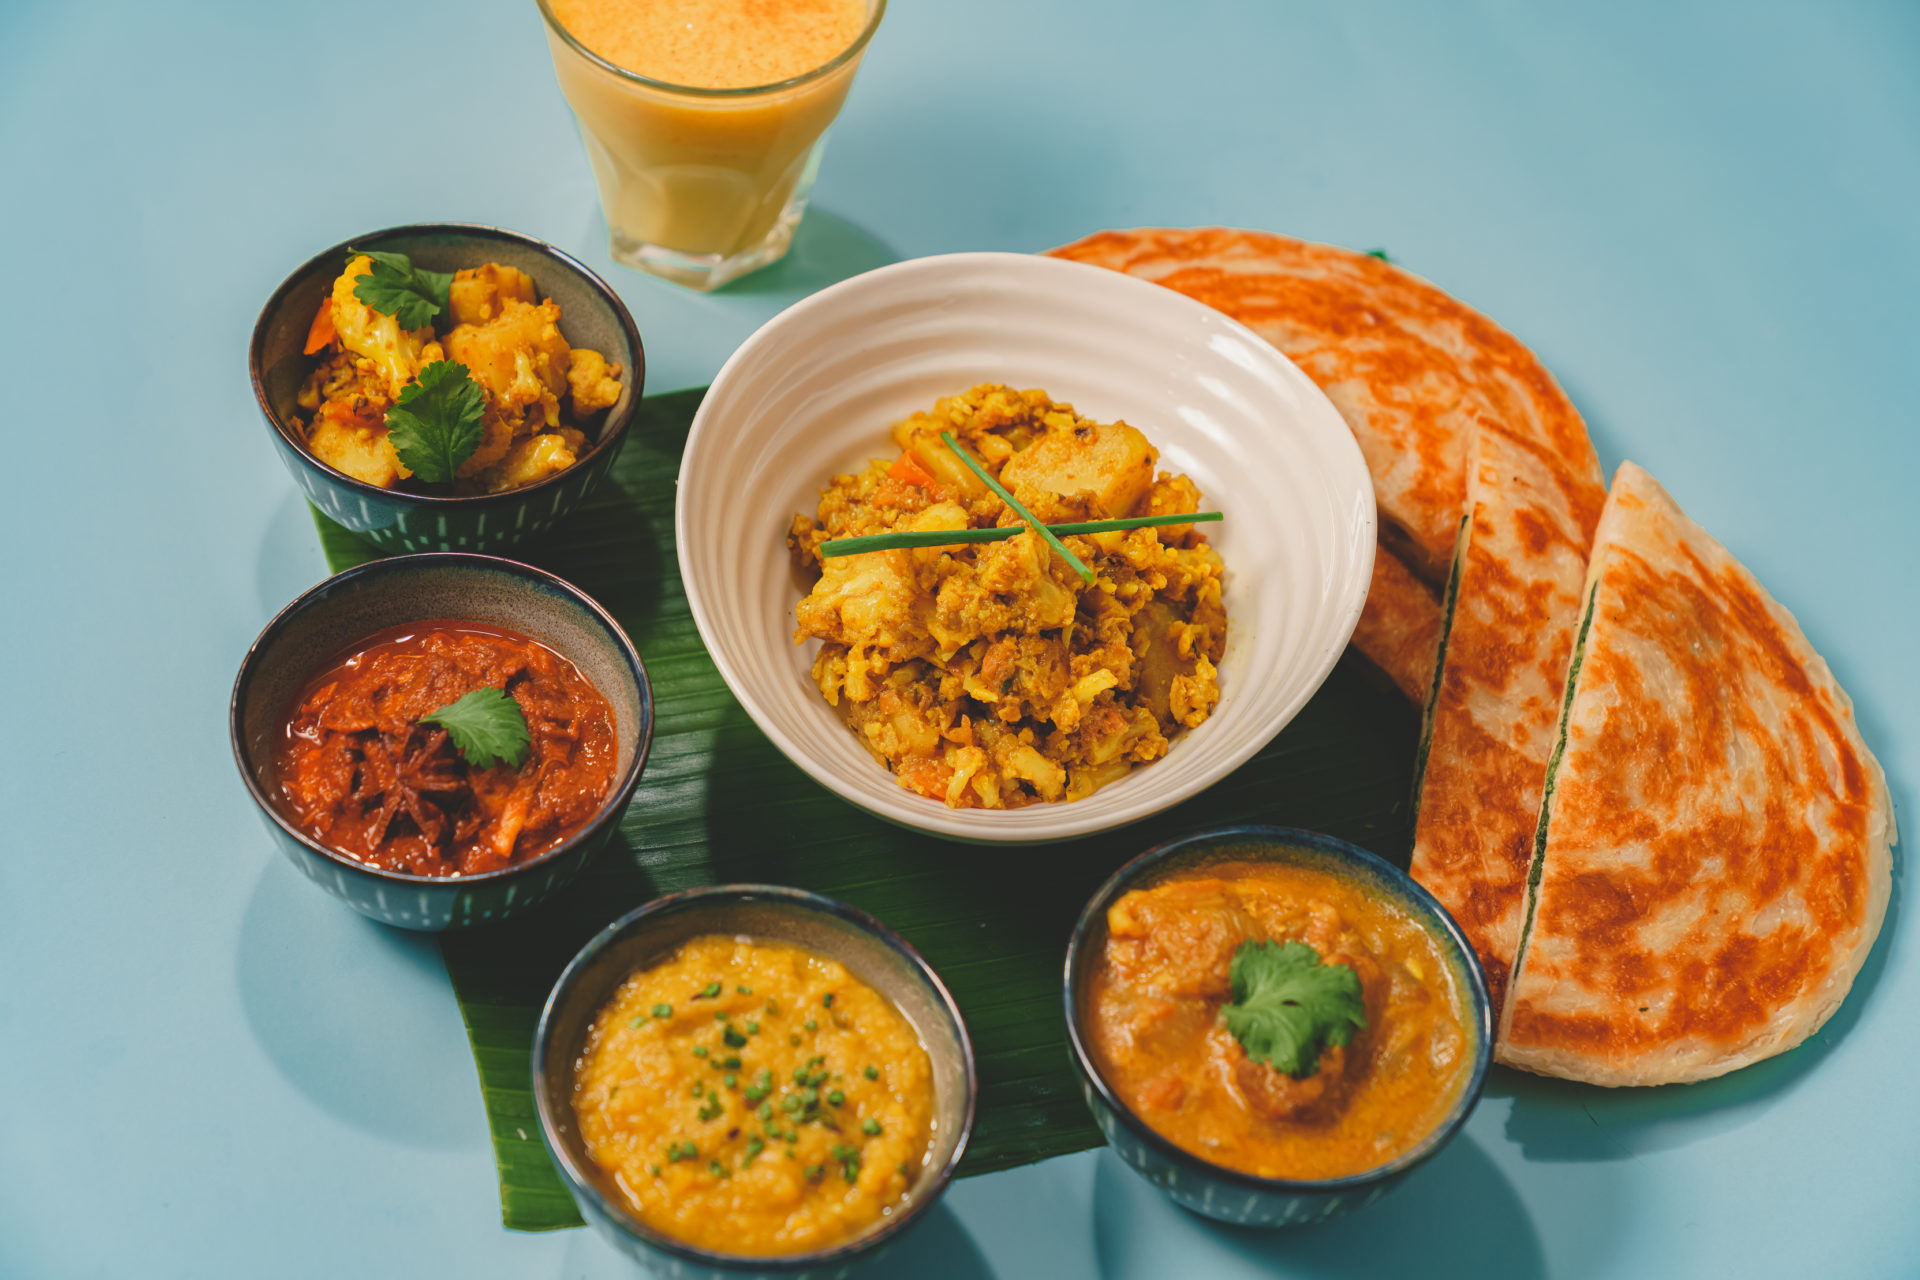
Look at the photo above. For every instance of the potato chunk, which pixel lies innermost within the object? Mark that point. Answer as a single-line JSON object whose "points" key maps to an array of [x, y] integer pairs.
{"points": [[356, 446], [1107, 465], [530, 459], [595, 384], [479, 294]]}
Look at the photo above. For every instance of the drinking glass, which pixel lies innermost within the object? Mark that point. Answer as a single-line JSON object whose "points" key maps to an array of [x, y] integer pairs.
{"points": [[701, 186]]}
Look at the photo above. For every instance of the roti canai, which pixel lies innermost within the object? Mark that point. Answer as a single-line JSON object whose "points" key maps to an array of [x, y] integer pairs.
{"points": [[1713, 854], [1409, 367], [1512, 607]]}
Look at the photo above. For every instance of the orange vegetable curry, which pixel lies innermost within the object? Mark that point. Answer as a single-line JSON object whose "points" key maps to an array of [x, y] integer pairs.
{"points": [[1158, 1036], [360, 774]]}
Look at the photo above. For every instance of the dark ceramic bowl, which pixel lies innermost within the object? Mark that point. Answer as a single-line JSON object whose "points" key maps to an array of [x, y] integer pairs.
{"points": [[591, 315], [871, 951], [334, 617], [1227, 1194]]}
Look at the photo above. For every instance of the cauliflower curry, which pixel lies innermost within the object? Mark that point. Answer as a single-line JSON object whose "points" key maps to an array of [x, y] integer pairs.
{"points": [[988, 675], [539, 391]]}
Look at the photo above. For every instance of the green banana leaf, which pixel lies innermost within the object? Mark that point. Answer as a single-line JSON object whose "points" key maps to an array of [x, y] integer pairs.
{"points": [[718, 803]]}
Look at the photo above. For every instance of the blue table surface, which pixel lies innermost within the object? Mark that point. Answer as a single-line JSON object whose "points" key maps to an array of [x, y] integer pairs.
{"points": [[1702, 216]]}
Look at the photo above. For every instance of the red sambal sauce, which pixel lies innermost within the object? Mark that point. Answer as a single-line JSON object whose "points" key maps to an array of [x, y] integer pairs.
{"points": [[359, 774]]}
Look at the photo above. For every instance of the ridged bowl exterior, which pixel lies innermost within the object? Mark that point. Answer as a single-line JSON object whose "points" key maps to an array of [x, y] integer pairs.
{"points": [[814, 392], [1228, 1195], [338, 614], [870, 951], [591, 315]]}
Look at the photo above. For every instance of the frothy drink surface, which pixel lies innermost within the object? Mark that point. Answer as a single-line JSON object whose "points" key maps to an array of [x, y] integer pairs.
{"points": [[715, 44]]}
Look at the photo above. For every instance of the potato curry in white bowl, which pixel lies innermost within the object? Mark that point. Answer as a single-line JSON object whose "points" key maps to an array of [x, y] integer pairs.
{"points": [[1117, 542]]}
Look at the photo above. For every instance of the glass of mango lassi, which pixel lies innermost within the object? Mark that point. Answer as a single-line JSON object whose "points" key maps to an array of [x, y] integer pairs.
{"points": [[705, 120]]}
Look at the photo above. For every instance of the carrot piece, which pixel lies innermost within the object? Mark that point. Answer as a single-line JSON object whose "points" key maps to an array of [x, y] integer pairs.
{"points": [[321, 334], [909, 471]]}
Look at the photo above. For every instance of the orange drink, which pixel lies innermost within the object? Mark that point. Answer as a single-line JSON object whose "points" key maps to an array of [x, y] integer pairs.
{"points": [[705, 119]]}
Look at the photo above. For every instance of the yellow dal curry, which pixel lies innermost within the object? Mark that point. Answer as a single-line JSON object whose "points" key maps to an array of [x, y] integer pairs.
{"points": [[988, 675], [1154, 1017], [755, 1098]]}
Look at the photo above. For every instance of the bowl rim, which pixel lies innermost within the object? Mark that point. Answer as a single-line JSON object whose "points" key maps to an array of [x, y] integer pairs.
{"points": [[1478, 1014], [426, 561], [610, 436], [669, 904], [987, 826]]}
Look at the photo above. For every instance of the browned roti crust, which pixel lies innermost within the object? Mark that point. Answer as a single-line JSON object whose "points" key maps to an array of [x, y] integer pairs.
{"points": [[1399, 629], [1521, 560], [1717, 857], [1409, 367]]}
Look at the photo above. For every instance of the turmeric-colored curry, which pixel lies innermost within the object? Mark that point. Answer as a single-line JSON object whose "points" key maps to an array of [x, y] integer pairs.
{"points": [[989, 675], [539, 391], [1161, 1039], [755, 1098]]}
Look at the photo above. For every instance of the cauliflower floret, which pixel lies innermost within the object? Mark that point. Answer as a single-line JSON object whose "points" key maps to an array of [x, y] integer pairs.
{"points": [[478, 294], [594, 382], [397, 354], [519, 358]]}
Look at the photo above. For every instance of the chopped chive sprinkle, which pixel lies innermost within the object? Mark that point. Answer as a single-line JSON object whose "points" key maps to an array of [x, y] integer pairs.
{"points": [[721, 1015], [766, 1111], [638, 1019], [814, 1171], [960, 537], [663, 1011], [827, 1000], [731, 1081], [734, 1039], [699, 1051], [745, 991], [870, 1127], [836, 1097], [654, 1169], [773, 1007], [872, 1073], [709, 991], [903, 1169], [754, 1148], [717, 1169], [811, 1025], [753, 1028], [790, 1103], [730, 1063]]}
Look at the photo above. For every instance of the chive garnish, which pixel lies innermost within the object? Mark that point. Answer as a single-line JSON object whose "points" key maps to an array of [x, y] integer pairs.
{"points": [[951, 537], [1000, 491]]}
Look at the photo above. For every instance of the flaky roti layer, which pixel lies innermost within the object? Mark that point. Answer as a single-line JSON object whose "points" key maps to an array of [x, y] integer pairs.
{"points": [[1399, 628], [1495, 709], [1716, 835], [1409, 367]]}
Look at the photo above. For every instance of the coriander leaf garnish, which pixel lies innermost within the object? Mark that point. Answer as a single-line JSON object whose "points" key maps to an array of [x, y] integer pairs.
{"points": [[485, 725], [1288, 1007], [436, 424], [395, 287]]}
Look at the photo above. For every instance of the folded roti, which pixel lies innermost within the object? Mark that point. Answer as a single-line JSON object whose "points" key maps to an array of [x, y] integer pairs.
{"points": [[1409, 368], [1512, 609], [1399, 628], [1714, 856]]}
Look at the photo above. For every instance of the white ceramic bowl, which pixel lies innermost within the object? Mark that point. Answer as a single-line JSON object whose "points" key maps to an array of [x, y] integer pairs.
{"points": [[813, 393]]}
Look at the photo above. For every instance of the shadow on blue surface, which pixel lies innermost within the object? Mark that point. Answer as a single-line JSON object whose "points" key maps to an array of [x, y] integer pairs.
{"points": [[826, 250], [326, 991], [1459, 1208]]}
